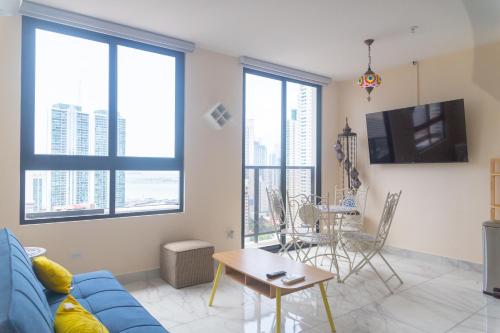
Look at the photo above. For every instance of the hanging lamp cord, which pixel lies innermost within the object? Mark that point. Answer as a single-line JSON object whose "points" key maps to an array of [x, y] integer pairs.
{"points": [[369, 56]]}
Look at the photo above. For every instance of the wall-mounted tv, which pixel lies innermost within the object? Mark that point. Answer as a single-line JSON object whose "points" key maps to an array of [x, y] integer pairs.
{"points": [[430, 133]]}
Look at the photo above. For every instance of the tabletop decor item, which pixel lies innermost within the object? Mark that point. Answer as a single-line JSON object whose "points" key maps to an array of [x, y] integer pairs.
{"points": [[370, 79], [34, 251]]}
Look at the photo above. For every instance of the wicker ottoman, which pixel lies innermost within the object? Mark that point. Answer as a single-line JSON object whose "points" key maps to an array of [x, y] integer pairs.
{"points": [[187, 263]]}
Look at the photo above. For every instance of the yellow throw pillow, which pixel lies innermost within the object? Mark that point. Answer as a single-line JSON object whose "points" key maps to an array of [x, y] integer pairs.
{"points": [[71, 317], [52, 275]]}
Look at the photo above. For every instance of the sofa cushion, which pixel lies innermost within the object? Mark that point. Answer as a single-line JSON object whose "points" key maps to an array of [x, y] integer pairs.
{"points": [[103, 296], [52, 275], [23, 306]]}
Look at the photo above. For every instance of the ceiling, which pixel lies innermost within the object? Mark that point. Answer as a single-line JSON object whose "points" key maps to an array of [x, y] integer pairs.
{"points": [[321, 36]]}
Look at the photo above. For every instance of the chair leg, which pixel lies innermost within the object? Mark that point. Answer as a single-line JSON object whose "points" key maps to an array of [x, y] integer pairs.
{"points": [[306, 256], [286, 249], [390, 267], [342, 245], [322, 260], [378, 274], [334, 262], [316, 256], [349, 274], [361, 264], [364, 262]]}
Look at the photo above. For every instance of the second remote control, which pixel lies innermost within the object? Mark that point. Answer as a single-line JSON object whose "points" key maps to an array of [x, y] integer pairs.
{"points": [[275, 274]]}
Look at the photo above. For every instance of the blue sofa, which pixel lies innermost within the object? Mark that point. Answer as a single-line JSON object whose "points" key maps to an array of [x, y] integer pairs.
{"points": [[27, 307]]}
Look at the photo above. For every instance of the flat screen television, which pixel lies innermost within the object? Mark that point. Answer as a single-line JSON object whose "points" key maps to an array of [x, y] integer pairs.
{"points": [[430, 133]]}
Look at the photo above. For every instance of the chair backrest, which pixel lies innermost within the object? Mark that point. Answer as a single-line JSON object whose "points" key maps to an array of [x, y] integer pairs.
{"points": [[277, 207], [391, 203], [361, 198], [339, 194], [358, 196], [309, 214], [305, 209]]}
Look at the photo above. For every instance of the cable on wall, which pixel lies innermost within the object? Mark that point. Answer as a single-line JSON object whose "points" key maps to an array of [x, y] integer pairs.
{"points": [[417, 67]]}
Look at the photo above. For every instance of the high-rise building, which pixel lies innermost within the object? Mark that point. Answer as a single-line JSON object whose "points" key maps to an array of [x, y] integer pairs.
{"points": [[300, 146], [101, 125], [69, 136], [101, 178], [292, 140], [120, 175], [37, 194], [260, 154], [75, 132], [260, 159], [58, 186]]}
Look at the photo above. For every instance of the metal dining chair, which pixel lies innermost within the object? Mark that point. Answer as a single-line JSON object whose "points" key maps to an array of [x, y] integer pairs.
{"points": [[279, 217], [355, 199], [368, 246], [314, 229]]}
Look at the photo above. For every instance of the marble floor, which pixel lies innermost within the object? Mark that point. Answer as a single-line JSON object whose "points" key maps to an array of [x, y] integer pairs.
{"points": [[435, 297]]}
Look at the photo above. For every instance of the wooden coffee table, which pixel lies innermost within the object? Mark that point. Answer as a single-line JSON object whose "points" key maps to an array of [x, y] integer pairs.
{"points": [[249, 267]]}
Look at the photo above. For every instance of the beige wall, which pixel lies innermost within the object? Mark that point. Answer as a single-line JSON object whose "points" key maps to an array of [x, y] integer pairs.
{"points": [[212, 168], [443, 205]]}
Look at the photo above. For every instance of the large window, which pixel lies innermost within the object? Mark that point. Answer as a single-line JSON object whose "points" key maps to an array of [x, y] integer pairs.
{"points": [[102, 126], [281, 145]]}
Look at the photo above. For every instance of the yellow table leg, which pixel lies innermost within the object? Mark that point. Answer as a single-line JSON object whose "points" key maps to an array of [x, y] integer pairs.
{"points": [[278, 310], [216, 283], [327, 306]]}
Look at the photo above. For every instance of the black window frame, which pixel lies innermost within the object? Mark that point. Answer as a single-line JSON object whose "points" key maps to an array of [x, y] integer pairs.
{"points": [[283, 166], [112, 162]]}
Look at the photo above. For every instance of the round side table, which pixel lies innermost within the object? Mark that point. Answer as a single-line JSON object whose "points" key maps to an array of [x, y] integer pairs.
{"points": [[33, 251]]}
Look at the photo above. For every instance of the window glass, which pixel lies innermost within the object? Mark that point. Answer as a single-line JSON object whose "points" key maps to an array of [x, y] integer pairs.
{"points": [[138, 191], [71, 95], [82, 94], [263, 121], [146, 103], [64, 193], [301, 138]]}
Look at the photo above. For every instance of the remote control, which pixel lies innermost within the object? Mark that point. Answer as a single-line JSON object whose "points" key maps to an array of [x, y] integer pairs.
{"points": [[275, 274], [292, 279]]}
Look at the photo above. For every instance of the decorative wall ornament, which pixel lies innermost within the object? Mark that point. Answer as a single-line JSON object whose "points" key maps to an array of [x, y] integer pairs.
{"points": [[370, 79], [218, 116], [346, 153]]}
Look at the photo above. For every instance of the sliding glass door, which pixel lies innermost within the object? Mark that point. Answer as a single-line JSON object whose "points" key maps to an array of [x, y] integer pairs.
{"points": [[281, 145]]}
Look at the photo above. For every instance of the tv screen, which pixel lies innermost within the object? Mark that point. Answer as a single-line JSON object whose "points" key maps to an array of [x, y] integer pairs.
{"points": [[431, 133]]}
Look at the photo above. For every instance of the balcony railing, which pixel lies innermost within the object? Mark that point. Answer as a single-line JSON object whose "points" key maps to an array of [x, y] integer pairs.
{"points": [[258, 226]]}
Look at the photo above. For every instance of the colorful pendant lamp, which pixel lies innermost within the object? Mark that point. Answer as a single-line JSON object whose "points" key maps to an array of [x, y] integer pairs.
{"points": [[370, 79]]}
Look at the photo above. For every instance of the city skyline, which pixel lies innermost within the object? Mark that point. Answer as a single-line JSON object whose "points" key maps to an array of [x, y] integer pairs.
{"points": [[71, 132]]}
